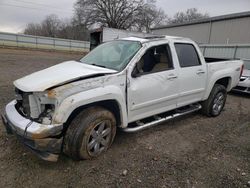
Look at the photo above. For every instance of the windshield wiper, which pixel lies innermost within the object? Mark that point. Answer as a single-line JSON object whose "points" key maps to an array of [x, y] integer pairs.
{"points": [[99, 65]]}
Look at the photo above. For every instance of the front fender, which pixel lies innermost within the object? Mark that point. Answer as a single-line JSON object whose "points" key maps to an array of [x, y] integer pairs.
{"points": [[69, 104]]}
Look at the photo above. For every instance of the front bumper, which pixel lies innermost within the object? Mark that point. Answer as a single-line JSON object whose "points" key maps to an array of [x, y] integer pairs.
{"points": [[44, 140]]}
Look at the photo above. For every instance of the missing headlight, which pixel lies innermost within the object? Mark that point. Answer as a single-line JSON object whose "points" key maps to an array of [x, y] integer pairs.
{"points": [[47, 114]]}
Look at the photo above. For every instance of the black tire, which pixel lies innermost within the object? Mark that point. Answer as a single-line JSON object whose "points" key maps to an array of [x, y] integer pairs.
{"points": [[84, 131], [209, 106]]}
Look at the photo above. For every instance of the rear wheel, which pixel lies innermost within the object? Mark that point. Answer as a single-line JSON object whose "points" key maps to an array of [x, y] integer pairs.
{"points": [[215, 102], [90, 134]]}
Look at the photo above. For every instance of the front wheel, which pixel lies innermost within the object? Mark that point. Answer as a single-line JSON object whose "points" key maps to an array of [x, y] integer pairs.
{"points": [[90, 134], [215, 102]]}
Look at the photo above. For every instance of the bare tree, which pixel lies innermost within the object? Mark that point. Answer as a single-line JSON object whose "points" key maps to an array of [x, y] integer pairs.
{"points": [[79, 29], [110, 13], [121, 14], [150, 16], [48, 27], [52, 26], [187, 16], [33, 29]]}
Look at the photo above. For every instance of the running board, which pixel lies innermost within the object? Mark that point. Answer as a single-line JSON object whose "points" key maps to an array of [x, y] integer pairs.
{"points": [[141, 126]]}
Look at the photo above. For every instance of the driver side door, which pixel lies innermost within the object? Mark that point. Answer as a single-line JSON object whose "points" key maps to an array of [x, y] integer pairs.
{"points": [[152, 89]]}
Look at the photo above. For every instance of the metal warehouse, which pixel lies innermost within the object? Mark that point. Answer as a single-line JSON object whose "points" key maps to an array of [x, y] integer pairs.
{"points": [[228, 29], [225, 36]]}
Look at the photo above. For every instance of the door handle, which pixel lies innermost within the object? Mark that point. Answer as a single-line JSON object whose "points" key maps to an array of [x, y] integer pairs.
{"points": [[200, 72], [171, 77]]}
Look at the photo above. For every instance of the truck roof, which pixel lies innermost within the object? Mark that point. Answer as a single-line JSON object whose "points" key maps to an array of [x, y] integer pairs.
{"points": [[155, 38]]}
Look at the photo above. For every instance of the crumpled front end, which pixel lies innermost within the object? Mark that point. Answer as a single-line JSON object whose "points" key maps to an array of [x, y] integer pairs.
{"points": [[43, 139]]}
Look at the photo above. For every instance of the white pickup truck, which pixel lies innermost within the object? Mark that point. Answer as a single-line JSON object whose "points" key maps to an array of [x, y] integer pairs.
{"points": [[132, 84]]}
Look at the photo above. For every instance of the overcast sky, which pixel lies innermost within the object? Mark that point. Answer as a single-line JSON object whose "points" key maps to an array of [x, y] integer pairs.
{"points": [[15, 14]]}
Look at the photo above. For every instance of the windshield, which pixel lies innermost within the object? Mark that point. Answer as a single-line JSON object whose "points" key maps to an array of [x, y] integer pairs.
{"points": [[247, 65], [112, 55]]}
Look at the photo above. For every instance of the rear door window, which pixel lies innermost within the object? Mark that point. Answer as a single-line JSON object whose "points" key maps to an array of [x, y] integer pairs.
{"points": [[187, 55]]}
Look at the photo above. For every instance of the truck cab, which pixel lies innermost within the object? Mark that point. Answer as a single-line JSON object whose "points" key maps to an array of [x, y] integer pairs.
{"points": [[132, 84]]}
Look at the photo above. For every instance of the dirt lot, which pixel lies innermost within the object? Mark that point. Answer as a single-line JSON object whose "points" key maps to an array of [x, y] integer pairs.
{"points": [[194, 151]]}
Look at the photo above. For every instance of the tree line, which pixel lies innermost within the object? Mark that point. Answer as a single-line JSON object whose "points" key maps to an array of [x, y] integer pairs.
{"points": [[135, 15]]}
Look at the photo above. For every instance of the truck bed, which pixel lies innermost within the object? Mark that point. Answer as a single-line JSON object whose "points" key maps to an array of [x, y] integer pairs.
{"points": [[225, 68]]}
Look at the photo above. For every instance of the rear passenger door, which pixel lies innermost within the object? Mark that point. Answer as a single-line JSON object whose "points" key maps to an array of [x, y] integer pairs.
{"points": [[192, 74]]}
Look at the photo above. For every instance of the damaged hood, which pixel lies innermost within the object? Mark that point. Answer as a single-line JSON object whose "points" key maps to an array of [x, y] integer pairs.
{"points": [[57, 75]]}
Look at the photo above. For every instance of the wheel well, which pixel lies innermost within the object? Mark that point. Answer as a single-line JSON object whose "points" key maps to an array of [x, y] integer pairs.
{"points": [[224, 81], [111, 105]]}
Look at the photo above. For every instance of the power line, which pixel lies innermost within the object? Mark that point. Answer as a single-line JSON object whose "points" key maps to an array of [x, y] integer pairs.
{"points": [[29, 2], [34, 8], [37, 4]]}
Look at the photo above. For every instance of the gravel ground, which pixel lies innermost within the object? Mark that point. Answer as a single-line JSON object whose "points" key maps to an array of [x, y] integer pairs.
{"points": [[193, 151]]}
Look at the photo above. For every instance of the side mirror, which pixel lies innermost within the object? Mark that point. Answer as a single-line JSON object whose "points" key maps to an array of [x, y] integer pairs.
{"points": [[135, 72]]}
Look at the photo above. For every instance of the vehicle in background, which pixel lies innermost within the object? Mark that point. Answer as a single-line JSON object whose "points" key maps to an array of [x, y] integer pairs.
{"points": [[132, 84], [105, 34], [244, 84]]}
